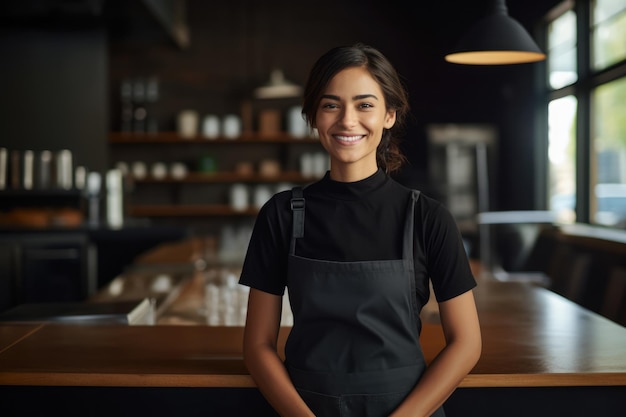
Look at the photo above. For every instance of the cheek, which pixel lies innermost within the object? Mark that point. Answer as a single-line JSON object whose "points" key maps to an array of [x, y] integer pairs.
{"points": [[323, 121], [374, 121]]}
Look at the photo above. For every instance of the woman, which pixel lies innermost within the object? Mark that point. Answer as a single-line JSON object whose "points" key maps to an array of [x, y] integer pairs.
{"points": [[356, 250]]}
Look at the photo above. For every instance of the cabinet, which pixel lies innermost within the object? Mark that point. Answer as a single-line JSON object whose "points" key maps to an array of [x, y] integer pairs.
{"points": [[202, 197], [42, 266], [460, 159]]}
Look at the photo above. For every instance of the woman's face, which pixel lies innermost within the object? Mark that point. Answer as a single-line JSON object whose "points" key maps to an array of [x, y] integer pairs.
{"points": [[350, 120]]}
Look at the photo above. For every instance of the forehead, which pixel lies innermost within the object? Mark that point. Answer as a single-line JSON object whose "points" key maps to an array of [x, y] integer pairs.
{"points": [[353, 80]]}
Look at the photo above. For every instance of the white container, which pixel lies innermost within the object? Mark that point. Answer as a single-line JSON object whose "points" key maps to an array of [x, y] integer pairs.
{"points": [[188, 124], [80, 177], [178, 170], [307, 165], [139, 170], [262, 194], [296, 125], [64, 169], [114, 203], [29, 169], [159, 170], [239, 197], [93, 195], [211, 126], [231, 126]]}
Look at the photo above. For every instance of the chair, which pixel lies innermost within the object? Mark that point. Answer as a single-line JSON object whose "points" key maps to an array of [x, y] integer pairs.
{"points": [[614, 305], [510, 242]]}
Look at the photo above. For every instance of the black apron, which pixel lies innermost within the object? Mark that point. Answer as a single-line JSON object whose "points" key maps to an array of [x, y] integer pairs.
{"points": [[354, 346]]}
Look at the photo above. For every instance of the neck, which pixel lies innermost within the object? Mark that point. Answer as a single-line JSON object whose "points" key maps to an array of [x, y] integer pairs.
{"points": [[350, 173]]}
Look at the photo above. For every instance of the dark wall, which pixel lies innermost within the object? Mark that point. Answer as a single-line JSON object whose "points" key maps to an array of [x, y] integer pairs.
{"points": [[235, 44], [61, 86], [54, 90]]}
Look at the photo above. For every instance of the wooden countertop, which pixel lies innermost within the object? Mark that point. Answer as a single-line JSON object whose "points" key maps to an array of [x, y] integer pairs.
{"points": [[531, 337]]}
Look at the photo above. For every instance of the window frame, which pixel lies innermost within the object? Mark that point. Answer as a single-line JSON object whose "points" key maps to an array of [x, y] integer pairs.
{"points": [[582, 89]]}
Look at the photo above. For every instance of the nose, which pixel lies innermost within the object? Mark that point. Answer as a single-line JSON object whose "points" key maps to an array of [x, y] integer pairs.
{"points": [[348, 117]]}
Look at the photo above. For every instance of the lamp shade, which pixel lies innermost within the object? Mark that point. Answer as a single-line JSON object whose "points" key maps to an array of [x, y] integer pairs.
{"points": [[496, 39], [278, 87]]}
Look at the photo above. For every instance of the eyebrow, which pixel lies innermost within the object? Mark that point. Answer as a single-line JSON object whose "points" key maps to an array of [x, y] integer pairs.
{"points": [[357, 97]]}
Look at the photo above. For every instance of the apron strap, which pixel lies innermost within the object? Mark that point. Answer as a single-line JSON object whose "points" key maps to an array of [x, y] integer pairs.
{"points": [[407, 246], [297, 208]]}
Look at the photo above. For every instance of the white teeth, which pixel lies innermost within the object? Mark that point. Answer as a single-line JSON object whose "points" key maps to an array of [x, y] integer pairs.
{"points": [[348, 138]]}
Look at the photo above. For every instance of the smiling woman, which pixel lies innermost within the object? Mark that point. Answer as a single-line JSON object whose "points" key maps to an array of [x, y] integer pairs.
{"points": [[377, 88], [350, 121], [357, 284]]}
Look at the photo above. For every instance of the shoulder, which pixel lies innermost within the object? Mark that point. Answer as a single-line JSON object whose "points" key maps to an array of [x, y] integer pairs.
{"points": [[425, 206], [431, 206], [278, 203], [434, 220]]}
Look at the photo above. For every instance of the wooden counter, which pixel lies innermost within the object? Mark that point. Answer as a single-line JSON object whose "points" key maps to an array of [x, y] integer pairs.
{"points": [[531, 337]]}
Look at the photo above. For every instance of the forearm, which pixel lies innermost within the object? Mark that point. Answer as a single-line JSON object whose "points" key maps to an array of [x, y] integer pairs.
{"points": [[439, 381], [463, 348], [272, 379]]}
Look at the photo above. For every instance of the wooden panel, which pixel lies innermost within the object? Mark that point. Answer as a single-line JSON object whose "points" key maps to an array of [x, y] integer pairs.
{"points": [[10, 334], [531, 338], [534, 337], [127, 356]]}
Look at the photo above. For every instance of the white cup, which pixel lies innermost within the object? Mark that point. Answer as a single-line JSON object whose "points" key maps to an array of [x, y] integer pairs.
{"points": [[64, 169], [139, 170], [262, 194], [231, 126], [239, 197], [114, 199], [307, 165], [211, 126], [188, 124], [159, 170], [296, 125], [178, 170]]}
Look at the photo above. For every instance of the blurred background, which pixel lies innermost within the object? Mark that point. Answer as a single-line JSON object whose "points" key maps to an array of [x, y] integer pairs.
{"points": [[126, 124]]}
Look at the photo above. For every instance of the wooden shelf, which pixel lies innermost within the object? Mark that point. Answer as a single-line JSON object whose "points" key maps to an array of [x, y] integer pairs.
{"points": [[180, 210], [228, 177], [175, 138], [171, 143]]}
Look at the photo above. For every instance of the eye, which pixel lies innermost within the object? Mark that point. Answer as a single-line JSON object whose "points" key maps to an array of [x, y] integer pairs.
{"points": [[329, 105], [366, 105]]}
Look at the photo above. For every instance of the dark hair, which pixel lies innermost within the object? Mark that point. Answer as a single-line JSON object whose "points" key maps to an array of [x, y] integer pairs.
{"points": [[388, 155]]}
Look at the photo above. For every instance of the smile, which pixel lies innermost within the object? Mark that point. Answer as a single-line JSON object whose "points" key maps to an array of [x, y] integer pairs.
{"points": [[348, 138]]}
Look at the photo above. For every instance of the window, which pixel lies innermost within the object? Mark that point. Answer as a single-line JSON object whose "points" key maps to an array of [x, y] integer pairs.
{"points": [[562, 157], [562, 50], [608, 201], [586, 80], [608, 32]]}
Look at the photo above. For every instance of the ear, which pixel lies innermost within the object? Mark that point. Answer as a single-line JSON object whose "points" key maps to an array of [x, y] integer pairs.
{"points": [[390, 119]]}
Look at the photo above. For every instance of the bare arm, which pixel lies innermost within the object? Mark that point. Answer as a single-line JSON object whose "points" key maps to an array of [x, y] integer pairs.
{"points": [[261, 357], [463, 347]]}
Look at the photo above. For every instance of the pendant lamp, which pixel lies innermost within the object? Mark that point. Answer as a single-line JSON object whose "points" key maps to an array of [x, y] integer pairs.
{"points": [[496, 39], [278, 87]]}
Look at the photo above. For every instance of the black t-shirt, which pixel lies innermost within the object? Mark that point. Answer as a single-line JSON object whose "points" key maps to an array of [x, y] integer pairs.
{"points": [[359, 221]]}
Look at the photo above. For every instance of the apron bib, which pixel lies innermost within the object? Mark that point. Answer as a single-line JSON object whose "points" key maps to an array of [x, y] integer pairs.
{"points": [[354, 346]]}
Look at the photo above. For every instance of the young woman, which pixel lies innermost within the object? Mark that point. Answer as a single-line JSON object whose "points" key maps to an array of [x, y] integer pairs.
{"points": [[356, 251]]}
